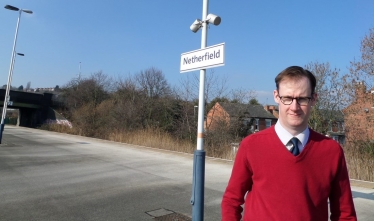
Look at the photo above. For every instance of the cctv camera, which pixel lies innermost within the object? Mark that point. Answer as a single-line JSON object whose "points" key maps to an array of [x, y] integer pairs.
{"points": [[213, 19], [196, 25]]}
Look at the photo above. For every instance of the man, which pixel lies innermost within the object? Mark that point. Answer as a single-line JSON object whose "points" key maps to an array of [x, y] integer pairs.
{"points": [[288, 171]]}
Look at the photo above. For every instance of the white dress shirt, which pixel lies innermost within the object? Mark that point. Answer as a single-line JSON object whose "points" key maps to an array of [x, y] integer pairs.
{"points": [[285, 136]]}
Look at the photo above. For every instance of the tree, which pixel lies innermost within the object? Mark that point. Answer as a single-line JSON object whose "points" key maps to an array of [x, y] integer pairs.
{"points": [[128, 107], [254, 101], [364, 67], [358, 82], [242, 96], [152, 82], [20, 88], [83, 97], [92, 90], [359, 149], [215, 100], [188, 99], [188, 94], [215, 86], [156, 93], [331, 93]]}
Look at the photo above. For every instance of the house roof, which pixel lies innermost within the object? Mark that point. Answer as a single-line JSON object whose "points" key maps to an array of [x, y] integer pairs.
{"points": [[236, 109]]}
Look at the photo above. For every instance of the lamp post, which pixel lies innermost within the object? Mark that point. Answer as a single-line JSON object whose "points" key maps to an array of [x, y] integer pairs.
{"points": [[6, 98], [194, 111], [197, 198]]}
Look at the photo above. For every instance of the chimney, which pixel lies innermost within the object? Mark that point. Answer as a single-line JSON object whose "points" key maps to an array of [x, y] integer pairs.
{"points": [[360, 90]]}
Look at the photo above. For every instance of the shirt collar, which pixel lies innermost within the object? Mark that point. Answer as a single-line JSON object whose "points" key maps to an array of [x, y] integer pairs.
{"points": [[285, 136]]}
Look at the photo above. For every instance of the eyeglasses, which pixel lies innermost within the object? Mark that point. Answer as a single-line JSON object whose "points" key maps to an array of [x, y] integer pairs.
{"points": [[302, 101]]}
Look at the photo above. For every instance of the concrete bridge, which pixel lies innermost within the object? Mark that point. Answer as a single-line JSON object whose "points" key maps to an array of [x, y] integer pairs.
{"points": [[34, 108]]}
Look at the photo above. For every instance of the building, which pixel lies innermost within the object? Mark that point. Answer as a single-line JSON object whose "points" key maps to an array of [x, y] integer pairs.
{"points": [[333, 122], [273, 109], [255, 117], [359, 116]]}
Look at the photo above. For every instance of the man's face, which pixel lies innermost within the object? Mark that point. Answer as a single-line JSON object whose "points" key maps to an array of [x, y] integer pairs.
{"points": [[294, 117]]}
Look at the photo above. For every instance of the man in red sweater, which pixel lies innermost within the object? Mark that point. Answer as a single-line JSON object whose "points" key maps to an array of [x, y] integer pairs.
{"points": [[288, 171]]}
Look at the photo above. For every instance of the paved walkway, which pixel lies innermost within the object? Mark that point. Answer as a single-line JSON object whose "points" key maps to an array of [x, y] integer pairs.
{"points": [[52, 176], [360, 183]]}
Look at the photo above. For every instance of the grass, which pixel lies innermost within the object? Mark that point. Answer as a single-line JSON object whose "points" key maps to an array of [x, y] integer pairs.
{"points": [[360, 164], [152, 138], [147, 137]]}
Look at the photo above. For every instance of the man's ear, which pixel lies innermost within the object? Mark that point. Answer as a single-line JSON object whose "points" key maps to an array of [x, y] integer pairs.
{"points": [[314, 99], [276, 97]]}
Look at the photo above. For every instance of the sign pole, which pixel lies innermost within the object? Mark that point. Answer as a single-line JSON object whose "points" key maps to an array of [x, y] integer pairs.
{"points": [[197, 199]]}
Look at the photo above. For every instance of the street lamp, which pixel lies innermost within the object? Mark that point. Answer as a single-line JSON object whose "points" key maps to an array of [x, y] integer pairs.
{"points": [[194, 111], [6, 98], [197, 198]]}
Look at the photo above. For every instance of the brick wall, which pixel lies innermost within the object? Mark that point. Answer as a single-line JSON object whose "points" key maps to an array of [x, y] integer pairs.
{"points": [[359, 116], [273, 110], [216, 115]]}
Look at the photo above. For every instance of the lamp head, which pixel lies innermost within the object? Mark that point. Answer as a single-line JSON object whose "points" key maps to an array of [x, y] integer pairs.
{"points": [[17, 9], [196, 25], [20, 54], [11, 8], [27, 11], [213, 19]]}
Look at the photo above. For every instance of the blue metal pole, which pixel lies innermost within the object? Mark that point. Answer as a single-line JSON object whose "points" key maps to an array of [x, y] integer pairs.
{"points": [[197, 199]]}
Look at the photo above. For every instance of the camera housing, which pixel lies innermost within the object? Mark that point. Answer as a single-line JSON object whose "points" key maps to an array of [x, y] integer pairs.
{"points": [[213, 19], [196, 25]]}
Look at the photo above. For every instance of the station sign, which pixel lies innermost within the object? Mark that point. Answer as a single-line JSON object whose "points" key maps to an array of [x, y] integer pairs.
{"points": [[209, 57]]}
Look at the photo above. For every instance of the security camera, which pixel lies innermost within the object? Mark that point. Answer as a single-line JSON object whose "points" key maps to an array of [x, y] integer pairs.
{"points": [[213, 19], [196, 25]]}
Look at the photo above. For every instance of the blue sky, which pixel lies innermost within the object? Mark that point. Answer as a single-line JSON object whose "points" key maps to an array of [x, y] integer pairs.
{"points": [[261, 37]]}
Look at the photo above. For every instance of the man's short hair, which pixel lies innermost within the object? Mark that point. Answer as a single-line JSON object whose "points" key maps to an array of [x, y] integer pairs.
{"points": [[296, 72]]}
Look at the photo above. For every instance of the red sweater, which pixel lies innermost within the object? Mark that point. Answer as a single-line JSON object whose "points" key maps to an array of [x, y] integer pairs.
{"points": [[280, 186]]}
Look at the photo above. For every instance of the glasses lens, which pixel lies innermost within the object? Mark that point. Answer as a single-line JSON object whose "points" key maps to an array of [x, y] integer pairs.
{"points": [[303, 101], [286, 100]]}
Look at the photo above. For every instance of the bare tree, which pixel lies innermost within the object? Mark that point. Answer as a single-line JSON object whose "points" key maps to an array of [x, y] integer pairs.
{"points": [[93, 90], [188, 97], [242, 96], [152, 82], [159, 105], [331, 96], [364, 67], [215, 85], [128, 104], [82, 97], [358, 82]]}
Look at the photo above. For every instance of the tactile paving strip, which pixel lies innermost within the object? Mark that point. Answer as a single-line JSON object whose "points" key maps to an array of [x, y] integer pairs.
{"points": [[167, 215], [173, 217]]}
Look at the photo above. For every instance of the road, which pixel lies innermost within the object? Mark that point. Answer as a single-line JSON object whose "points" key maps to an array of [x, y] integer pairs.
{"points": [[51, 176]]}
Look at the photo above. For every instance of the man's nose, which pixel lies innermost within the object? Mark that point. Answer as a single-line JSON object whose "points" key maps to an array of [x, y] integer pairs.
{"points": [[294, 105]]}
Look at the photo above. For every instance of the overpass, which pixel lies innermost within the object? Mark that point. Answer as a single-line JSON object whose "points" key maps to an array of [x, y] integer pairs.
{"points": [[34, 108]]}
